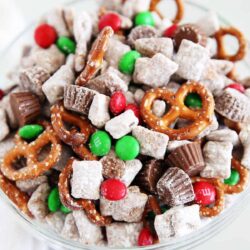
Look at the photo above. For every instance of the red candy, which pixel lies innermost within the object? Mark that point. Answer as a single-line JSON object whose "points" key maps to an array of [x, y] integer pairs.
{"points": [[169, 32], [113, 190], [117, 103], [135, 109], [237, 86], [1, 94], [145, 238], [112, 20], [205, 193], [45, 35]]}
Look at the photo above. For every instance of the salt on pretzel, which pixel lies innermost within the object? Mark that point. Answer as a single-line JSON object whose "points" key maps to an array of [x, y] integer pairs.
{"points": [[78, 204], [96, 55], [241, 185], [179, 14], [220, 199], [201, 118], [74, 138], [34, 166], [19, 198], [221, 51]]}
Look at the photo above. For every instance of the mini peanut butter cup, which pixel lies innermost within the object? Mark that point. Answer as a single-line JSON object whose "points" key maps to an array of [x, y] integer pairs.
{"points": [[187, 157], [25, 106]]}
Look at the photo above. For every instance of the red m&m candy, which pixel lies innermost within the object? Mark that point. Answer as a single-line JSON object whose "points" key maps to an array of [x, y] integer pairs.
{"points": [[117, 103], [135, 109], [237, 86], [45, 35], [169, 32], [113, 189], [145, 238], [1, 94], [112, 20], [205, 193]]}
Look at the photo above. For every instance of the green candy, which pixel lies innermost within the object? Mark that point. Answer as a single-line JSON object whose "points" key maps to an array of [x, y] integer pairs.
{"points": [[233, 179], [54, 202], [66, 45], [127, 148], [144, 18], [29, 132], [100, 143], [127, 62], [194, 101], [65, 210]]}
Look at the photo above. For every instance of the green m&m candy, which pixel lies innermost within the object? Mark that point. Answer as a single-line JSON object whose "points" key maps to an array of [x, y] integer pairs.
{"points": [[127, 148], [127, 62], [65, 210], [144, 18], [100, 143], [193, 100], [54, 202], [66, 45], [29, 132], [233, 179]]}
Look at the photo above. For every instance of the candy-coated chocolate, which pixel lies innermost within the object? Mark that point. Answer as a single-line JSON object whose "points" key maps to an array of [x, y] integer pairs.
{"points": [[127, 148], [144, 18], [205, 193], [113, 189], [237, 86], [117, 103], [29, 132], [194, 101], [65, 210], [45, 35], [135, 109], [233, 179], [66, 45], [127, 62], [54, 202], [1, 94], [100, 143], [169, 32], [145, 238], [112, 20]]}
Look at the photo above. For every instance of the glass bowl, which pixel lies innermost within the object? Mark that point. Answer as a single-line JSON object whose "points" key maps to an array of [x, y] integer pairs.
{"points": [[9, 60]]}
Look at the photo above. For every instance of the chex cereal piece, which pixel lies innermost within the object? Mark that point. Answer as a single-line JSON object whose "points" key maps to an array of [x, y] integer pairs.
{"points": [[81, 55], [175, 187], [192, 59], [122, 124], [233, 105], [141, 32], [86, 179], [152, 143], [123, 234], [172, 145], [31, 185], [89, 232], [129, 97], [224, 135], [56, 221], [132, 7], [4, 131], [116, 49], [177, 222], [151, 46], [245, 140], [69, 230], [113, 5], [99, 110], [212, 127], [6, 145], [222, 66], [159, 108], [107, 83], [64, 157], [33, 78], [78, 98], [38, 202], [129, 209], [155, 71], [217, 156], [138, 95], [124, 77]]}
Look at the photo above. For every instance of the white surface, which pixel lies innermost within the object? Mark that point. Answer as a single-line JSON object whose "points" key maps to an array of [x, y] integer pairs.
{"points": [[15, 14]]}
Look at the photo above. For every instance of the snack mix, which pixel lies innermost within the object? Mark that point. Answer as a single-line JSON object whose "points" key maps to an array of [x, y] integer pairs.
{"points": [[125, 128]]}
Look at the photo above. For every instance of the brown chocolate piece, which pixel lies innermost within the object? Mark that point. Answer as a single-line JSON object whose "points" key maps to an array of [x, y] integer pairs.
{"points": [[187, 157], [25, 106], [150, 174], [189, 32], [175, 187]]}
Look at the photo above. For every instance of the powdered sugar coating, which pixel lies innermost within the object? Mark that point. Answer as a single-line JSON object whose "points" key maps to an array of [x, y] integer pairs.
{"points": [[245, 140], [69, 229], [56, 221], [4, 131]]}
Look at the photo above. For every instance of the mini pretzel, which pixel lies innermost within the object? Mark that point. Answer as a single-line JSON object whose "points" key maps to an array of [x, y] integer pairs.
{"points": [[19, 198], [220, 199], [180, 10], [95, 58], [241, 185], [221, 51], [78, 204], [73, 138], [236, 126], [154, 205], [201, 118], [34, 167]]}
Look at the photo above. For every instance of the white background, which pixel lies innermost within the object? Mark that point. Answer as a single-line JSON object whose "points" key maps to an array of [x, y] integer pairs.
{"points": [[14, 16]]}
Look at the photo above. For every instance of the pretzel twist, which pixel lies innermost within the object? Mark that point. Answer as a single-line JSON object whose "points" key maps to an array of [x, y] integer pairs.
{"points": [[78, 204], [221, 51], [201, 117]]}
